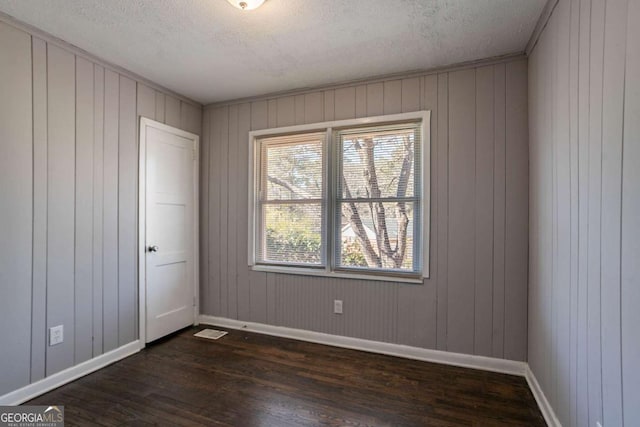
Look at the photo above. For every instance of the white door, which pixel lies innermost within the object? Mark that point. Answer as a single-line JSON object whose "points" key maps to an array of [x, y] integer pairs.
{"points": [[168, 233]]}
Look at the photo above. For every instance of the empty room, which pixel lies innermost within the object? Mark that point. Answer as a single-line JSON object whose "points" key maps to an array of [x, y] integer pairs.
{"points": [[320, 212]]}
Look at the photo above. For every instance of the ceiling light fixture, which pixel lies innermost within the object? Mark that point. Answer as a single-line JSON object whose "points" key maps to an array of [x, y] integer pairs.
{"points": [[246, 4]]}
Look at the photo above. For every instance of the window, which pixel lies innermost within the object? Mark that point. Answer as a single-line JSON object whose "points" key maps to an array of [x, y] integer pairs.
{"points": [[291, 201], [343, 198]]}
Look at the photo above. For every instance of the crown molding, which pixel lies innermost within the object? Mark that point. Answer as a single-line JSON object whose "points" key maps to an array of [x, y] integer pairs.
{"points": [[374, 79], [541, 25]]}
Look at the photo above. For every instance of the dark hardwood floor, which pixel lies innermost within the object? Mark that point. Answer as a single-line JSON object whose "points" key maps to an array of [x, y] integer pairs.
{"points": [[247, 379]]}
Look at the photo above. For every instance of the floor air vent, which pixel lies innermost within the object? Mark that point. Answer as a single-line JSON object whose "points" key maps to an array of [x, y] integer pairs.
{"points": [[212, 334]]}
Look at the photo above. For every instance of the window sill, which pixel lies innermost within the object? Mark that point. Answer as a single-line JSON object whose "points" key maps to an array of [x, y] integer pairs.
{"points": [[335, 274]]}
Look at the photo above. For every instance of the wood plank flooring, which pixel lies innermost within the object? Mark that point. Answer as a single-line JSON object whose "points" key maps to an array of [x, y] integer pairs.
{"points": [[246, 379]]}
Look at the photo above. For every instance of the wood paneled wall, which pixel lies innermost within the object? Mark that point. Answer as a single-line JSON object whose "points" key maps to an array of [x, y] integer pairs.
{"points": [[584, 292], [68, 190], [475, 301]]}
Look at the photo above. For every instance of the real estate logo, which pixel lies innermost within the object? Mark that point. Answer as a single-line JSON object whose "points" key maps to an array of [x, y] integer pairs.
{"points": [[32, 416]]}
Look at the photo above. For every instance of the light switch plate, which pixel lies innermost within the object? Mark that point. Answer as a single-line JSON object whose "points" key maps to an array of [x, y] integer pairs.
{"points": [[337, 306], [56, 335]]}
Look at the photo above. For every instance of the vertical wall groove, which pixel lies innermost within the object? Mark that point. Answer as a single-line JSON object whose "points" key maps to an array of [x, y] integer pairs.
{"points": [[33, 210]]}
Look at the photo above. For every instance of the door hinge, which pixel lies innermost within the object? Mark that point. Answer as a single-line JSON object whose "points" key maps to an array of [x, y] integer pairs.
{"points": [[194, 301]]}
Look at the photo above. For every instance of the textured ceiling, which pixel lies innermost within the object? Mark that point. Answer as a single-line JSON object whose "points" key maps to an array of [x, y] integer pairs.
{"points": [[210, 51]]}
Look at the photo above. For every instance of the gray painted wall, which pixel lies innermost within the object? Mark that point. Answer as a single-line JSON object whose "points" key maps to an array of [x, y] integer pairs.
{"points": [[584, 292], [476, 299], [68, 190]]}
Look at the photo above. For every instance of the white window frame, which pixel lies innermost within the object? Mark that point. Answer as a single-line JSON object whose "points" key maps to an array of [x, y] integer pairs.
{"points": [[425, 197]]}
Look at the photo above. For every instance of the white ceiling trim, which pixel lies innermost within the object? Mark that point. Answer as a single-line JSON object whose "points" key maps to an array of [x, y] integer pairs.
{"points": [[541, 24]]}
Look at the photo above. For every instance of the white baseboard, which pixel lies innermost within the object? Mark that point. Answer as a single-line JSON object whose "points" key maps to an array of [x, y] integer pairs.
{"points": [[456, 359], [545, 407], [63, 377]]}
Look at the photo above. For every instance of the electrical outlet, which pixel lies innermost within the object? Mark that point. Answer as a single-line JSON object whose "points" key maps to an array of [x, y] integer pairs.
{"points": [[337, 306], [56, 335]]}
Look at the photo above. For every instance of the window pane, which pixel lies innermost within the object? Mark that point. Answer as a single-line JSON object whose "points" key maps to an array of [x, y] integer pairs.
{"points": [[377, 235], [292, 233], [378, 164], [293, 171]]}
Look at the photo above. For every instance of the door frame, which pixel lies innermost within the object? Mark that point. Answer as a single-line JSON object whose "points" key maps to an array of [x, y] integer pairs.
{"points": [[142, 204]]}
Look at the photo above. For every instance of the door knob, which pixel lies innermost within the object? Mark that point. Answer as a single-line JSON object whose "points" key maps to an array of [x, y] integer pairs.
{"points": [[153, 248]]}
